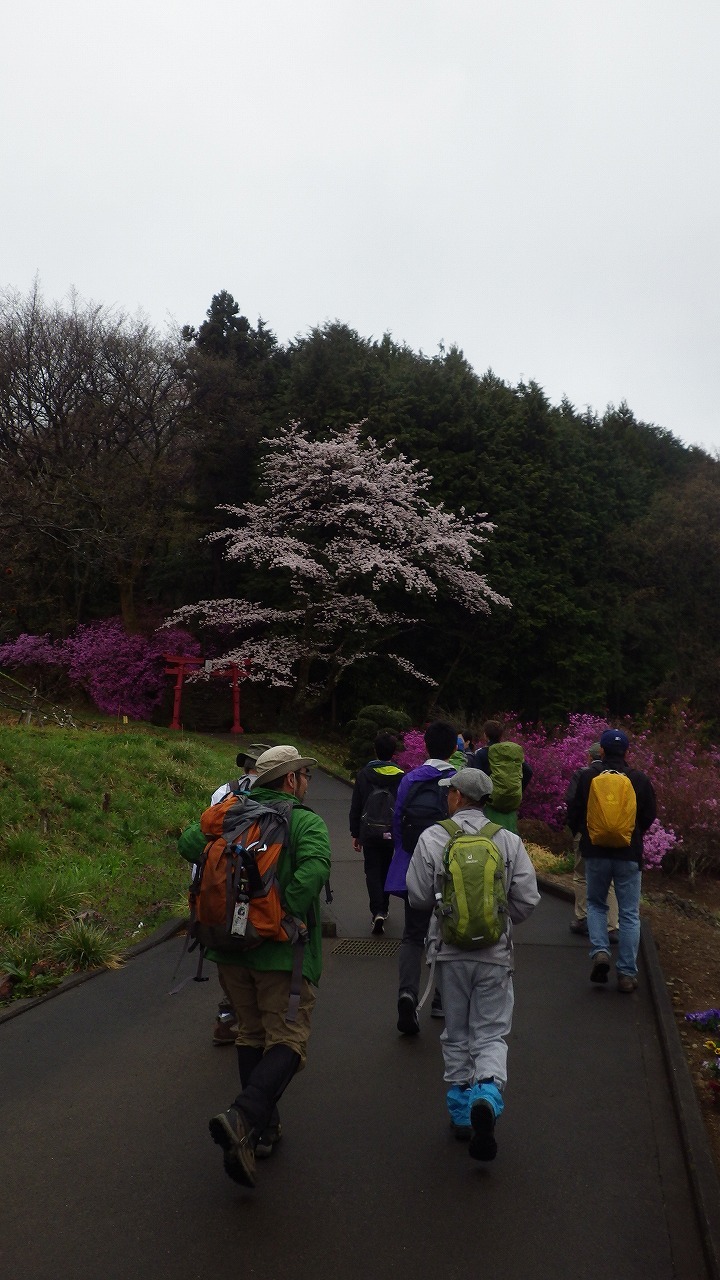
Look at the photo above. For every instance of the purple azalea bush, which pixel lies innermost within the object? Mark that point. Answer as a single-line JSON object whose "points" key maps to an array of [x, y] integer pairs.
{"points": [[30, 651], [123, 674], [685, 774], [414, 751]]}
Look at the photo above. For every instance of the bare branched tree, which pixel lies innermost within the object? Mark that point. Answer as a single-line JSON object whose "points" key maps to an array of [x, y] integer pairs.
{"points": [[94, 455]]}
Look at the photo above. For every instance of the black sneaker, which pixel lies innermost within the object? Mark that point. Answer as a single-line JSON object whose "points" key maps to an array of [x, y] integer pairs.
{"points": [[613, 937], [482, 1143], [579, 926], [407, 1022], [268, 1141], [378, 924], [436, 1009], [229, 1129]]}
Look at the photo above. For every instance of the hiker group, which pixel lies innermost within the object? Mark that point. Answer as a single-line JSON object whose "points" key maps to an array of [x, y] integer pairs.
{"points": [[443, 838]]}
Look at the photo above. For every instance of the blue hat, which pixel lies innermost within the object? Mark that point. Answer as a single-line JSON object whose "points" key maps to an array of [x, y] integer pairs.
{"points": [[614, 742]]}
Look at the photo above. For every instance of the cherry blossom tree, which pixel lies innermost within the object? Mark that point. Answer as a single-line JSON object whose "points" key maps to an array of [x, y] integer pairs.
{"points": [[344, 535]]}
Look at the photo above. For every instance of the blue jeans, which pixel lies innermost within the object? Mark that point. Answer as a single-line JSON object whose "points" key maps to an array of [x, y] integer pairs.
{"points": [[600, 873]]}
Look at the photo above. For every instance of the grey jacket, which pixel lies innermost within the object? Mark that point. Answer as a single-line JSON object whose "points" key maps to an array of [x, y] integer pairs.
{"points": [[424, 878]]}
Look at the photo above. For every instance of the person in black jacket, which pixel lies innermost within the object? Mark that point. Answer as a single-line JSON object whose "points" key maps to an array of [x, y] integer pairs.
{"points": [[578, 924], [366, 811], [607, 864]]}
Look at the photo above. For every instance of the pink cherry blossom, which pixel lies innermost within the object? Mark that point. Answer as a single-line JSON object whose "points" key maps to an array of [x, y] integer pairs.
{"points": [[344, 522]]}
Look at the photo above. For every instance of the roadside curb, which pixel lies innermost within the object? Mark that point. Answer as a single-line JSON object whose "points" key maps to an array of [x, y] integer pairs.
{"points": [[693, 1134], [163, 933], [698, 1156]]}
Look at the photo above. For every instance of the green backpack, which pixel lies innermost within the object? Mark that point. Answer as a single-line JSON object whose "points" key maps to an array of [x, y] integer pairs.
{"points": [[473, 906], [506, 762]]}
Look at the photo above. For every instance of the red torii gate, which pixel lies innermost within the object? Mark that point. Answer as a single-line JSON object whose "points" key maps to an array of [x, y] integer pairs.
{"points": [[180, 665]]}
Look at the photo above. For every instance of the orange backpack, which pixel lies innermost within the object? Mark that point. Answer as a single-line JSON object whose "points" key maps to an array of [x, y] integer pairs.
{"points": [[235, 901]]}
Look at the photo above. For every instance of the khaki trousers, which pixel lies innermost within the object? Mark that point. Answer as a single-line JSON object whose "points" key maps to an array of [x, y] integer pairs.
{"points": [[260, 999]]}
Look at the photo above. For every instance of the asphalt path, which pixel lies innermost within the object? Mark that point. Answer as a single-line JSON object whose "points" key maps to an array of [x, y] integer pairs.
{"points": [[109, 1172]]}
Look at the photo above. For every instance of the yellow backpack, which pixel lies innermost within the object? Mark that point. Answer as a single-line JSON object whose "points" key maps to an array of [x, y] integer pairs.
{"points": [[611, 809]]}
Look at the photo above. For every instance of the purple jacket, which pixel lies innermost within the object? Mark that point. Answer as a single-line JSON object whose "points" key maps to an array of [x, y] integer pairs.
{"points": [[397, 871], [422, 772]]}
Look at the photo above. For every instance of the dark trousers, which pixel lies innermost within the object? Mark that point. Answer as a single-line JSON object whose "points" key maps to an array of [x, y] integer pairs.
{"points": [[412, 947], [377, 855]]}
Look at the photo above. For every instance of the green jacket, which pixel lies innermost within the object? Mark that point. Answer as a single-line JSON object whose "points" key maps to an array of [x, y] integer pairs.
{"points": [[303, 868]]}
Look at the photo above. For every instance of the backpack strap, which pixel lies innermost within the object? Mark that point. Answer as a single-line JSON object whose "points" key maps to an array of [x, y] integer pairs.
{"points": [[430, 984], [453, 829]]}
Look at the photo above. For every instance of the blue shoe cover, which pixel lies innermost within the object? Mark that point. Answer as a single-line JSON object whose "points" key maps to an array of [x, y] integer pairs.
{"points": [[489, 1092], [458, 1104]]}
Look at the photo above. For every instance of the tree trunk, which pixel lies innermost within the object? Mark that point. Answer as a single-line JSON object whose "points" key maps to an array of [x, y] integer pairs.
{"points": [[128, 612]]}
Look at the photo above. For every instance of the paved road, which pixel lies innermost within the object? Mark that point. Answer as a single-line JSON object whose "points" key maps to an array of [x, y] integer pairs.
{"points": [[108, 1170]]}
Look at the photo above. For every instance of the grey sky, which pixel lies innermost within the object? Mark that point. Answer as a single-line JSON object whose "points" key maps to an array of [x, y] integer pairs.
{"points": [[534, 180]]}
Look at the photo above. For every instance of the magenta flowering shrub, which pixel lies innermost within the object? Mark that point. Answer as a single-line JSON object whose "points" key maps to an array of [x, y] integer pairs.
{"points": [[553, 756], [30, 651], [684, 772], [414, 751], [122, 674], [658, 841]]}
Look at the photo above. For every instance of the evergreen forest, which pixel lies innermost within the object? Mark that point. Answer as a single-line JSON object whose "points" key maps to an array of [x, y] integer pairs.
{"points": [[119, 448]]}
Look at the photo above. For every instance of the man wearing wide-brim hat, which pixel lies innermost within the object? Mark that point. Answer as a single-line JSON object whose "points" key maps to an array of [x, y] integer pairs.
{"points": [[271, 1049], [245, 760]]}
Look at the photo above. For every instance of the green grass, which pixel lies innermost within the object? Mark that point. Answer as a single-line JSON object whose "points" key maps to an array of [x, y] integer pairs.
{"points": [[82, 944], [91, 819]]}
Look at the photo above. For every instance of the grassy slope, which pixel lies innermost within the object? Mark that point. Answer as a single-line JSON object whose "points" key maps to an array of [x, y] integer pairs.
{"points": [[90, 820]]}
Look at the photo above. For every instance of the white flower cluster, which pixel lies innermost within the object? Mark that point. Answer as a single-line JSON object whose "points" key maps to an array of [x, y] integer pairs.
{"points": [[345, 525]]}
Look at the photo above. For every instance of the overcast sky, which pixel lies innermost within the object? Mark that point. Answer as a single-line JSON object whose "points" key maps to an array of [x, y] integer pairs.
{"points": [[535, 181]]}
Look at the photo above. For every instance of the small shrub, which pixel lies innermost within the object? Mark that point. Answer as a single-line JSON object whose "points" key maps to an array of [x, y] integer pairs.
{"points": [[13, 920], [18, 956], [363, 730], [18, 846], [77, 803], [86, 945], [46, 901]]}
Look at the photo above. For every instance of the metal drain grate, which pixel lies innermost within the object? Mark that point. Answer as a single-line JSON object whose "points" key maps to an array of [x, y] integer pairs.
{"points": [[366, 947]]}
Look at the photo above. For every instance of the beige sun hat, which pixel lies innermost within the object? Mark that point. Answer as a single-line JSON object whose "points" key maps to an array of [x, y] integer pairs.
{"points": [[278, 761]]}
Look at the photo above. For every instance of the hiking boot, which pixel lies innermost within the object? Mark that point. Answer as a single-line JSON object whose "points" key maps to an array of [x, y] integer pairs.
{"points": [[579, 926], [378, 924], [267, 1141], [482, 1142], [613, 937], [601, 967], [407, 1022], [436, 1009], [626, 984], [231, 1132], [224, 1031]]}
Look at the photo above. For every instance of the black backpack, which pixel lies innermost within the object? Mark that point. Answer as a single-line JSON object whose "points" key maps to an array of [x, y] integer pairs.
{"points": [[376, 819], [425, 804]]}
